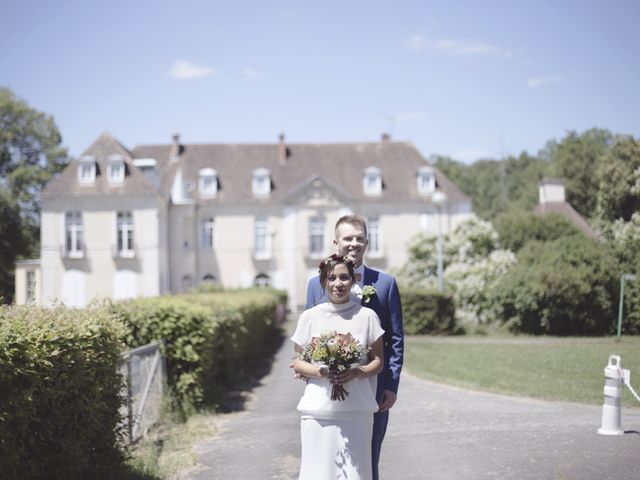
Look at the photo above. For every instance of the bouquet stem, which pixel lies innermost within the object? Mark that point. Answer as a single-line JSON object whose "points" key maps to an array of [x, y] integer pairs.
{"points": [[338, 392]]}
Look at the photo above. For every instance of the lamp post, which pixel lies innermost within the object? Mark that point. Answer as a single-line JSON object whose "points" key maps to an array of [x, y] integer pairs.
{"points": [[439, 198], [629, 277]]}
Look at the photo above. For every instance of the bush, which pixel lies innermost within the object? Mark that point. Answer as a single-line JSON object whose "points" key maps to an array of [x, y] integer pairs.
{"points": [[59, 393], [515, 229], [211, 340], [564, 287], [427, 311]]}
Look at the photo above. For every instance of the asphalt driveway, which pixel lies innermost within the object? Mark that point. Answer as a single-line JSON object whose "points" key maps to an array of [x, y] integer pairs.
{"points": [[435, 432]]}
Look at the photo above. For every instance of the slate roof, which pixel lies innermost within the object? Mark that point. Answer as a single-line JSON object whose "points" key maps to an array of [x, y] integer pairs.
{"points": [[67, 184], [340, 165]]}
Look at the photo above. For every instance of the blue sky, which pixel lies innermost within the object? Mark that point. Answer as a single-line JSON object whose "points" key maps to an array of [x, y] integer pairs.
{"points": [[468, 79]]}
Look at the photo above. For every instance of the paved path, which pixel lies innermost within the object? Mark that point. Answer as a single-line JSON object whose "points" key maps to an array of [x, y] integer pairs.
{"points": [[435, 432]]}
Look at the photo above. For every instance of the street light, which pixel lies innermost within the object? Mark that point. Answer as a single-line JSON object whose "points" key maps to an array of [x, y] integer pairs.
{"points": [[629, 277], [439, 198]]}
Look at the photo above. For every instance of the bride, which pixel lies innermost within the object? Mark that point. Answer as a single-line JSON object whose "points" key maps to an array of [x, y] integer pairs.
{"points": [[336, 435]]}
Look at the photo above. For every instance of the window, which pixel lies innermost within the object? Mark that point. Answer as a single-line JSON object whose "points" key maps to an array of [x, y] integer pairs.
{"points": [[209, 278], [261, 184], [31, 287], [115, 169], [125, 235], [208, 182], [262, 280], [374, 237], [372, 181], [148, 168], [426, 181], [207, 233], [74, 235], [87, 170], [316, 237], [187, 282], [262, 242]]}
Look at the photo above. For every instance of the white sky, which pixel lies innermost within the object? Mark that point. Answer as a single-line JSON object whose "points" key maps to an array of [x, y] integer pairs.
{"points": [[461, 78]]}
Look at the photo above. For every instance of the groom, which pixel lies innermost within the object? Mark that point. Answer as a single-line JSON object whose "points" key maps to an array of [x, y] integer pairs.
{"points": [[351, 241]]}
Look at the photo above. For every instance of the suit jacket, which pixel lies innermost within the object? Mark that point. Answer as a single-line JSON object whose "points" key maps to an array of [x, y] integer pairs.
{"points": [[386, 303]]}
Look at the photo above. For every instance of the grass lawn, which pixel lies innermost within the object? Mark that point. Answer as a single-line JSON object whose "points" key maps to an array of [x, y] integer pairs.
{"points": [[550, 368]]}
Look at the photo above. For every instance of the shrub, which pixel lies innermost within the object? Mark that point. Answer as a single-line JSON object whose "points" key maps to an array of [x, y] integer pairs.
{"points": [[427, 311], [515, 229], [210, 339], [564, 287], [59, 393]]}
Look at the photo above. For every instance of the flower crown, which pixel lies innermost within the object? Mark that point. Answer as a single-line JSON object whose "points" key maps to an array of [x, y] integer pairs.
{"points": [[336, 258]]}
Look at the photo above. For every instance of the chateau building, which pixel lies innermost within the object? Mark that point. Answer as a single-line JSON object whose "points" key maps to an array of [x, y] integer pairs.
{"points": [[160, 219]]}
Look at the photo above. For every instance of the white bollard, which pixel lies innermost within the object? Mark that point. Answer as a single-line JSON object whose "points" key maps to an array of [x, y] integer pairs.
{"points": [[612, 393]]}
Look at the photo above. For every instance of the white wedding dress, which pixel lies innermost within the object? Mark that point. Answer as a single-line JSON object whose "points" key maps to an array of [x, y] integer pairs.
{"points": [[336, 435]]}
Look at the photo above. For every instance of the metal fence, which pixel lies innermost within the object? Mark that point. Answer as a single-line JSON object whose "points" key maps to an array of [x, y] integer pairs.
{"points": [[145, 377]]}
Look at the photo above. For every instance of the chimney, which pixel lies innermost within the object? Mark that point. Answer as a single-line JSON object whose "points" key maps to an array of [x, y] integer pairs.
{"points": [[385, 138], [551, 190], [282, 151], [175, 147]]}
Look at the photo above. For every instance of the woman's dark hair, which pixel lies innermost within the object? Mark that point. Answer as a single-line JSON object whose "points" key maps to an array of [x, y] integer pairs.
{"points": [[329, 263]]}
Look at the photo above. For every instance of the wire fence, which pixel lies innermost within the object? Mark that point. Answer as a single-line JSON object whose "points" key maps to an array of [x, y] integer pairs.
{"points": [[145, 378]]}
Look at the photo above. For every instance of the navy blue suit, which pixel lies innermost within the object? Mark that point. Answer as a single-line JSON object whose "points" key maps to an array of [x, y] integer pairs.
{"points": [[386, 303]]}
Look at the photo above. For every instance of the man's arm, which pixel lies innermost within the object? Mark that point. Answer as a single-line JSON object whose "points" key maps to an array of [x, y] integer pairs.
{"points": [[396, 348], [311, 299]]}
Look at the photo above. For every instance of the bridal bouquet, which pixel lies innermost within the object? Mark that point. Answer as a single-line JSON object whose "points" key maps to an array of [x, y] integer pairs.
{"points": [[337, 351]]}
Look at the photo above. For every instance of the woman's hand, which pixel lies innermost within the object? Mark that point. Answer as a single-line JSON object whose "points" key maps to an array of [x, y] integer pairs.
{"points": [[338, 378]]}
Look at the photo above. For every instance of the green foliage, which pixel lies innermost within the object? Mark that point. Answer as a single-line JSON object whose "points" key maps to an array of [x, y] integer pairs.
{"points": [[472, 264], [576, 159], [515, 229], [59, 393], [427, 312], [497, 185], [619, 172], [211, 339], [563, 287], [30, 154], [12, 244]]}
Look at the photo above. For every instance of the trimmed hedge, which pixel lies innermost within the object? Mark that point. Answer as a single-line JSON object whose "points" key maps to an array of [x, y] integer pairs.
{"points": [[427, 311], [211, 339], [59, 393]]}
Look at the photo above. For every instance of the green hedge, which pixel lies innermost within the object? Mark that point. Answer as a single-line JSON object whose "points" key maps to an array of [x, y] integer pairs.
{"points": [[59, 393], [211, 339], [427, 311]]}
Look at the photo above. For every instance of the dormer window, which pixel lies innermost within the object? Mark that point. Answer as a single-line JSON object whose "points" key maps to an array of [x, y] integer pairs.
{"points": [[148, 167], [426, 181], [261, 184], [208, 184], [115, 169], [87, 170], [372, 181]]}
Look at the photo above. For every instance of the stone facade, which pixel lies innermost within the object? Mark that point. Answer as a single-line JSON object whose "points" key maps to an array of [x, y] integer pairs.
{"points": [[167, 218]]}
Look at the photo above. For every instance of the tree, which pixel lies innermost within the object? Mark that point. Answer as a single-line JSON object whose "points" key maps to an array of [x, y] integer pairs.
{"points": [[12, 243], [472, 266], [496, 186], [30, 154], [515, 229], [564, 287], [620, 174], [576, 159]]}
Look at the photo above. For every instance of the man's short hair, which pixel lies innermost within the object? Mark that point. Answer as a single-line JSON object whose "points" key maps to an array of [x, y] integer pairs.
{"points": [[354, 220]]}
